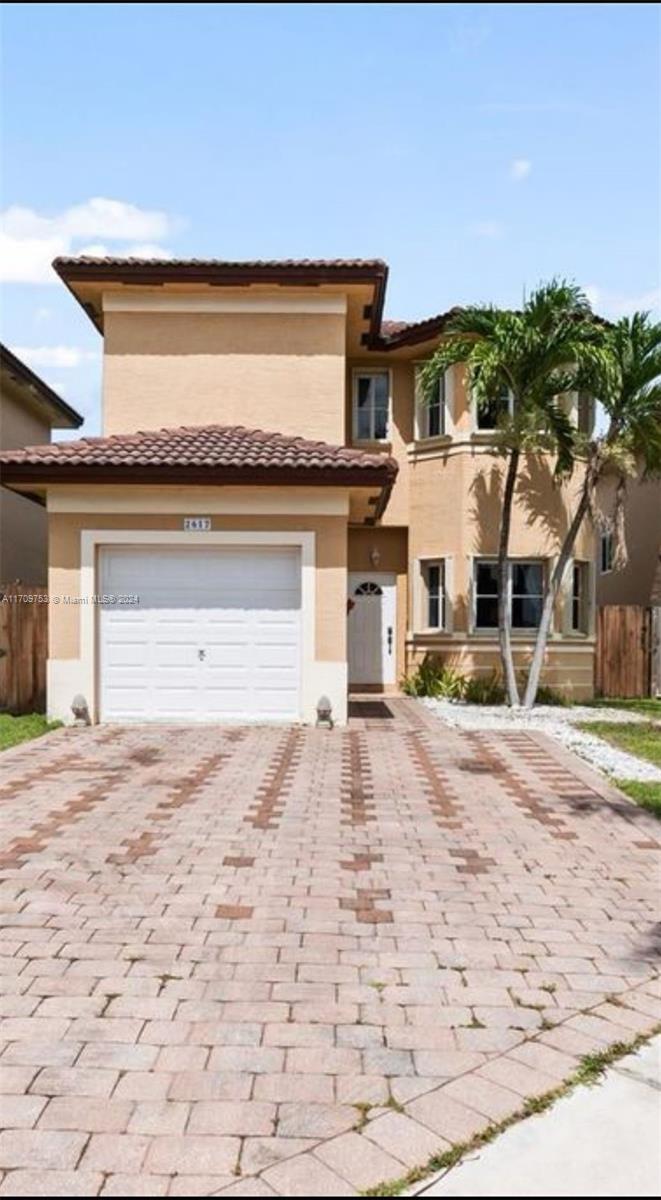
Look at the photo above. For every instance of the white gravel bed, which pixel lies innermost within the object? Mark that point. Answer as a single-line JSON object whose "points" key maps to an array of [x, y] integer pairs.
{"points": [[559, 723]]}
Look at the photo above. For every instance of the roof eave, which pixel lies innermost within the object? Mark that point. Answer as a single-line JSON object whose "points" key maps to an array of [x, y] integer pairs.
{"points": [[46, 474], [62, 415], [73, 271]]}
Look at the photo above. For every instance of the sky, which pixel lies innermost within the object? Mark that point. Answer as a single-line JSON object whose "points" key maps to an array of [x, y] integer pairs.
{"points": [[478, 148]]}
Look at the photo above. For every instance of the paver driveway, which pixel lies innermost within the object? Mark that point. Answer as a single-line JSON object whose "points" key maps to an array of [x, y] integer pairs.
{"points": [[314, 957]]}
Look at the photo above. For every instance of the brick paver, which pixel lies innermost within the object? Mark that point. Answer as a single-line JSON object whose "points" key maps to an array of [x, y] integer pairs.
{"points": [[265, 961]]}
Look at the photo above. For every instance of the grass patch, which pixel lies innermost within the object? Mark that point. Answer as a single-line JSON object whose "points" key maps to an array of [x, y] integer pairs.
{"points": [[14, 730], [589, 1071], [647, 795], [646, 706], [642, 739]]}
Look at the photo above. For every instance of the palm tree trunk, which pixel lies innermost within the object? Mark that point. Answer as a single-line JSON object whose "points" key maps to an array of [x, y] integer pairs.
{"points": [[504, 612], [553, 588]]}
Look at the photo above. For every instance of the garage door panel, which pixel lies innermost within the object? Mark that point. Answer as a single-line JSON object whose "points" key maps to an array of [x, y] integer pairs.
{"points": [[126, 660], [215, 634]]}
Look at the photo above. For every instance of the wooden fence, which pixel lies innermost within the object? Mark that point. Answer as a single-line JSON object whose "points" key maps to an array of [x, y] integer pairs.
{"points": [[23, 648], [626, 650]]}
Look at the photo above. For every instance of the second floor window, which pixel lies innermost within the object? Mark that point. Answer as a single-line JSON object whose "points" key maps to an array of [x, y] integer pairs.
{"points": [[525, 582], [371, 403], [430, 410], [488, 414], [606, 553]]}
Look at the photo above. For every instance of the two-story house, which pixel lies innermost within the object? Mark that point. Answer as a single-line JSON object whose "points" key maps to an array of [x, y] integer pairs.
{"points": [[29, 411], [272, 515]]}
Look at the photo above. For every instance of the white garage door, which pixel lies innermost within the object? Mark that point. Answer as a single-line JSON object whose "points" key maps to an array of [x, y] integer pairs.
{"points": [[215, 635]]}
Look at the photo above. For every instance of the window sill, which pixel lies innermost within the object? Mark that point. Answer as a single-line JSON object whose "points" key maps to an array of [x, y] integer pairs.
{"points": [[517, 635], [439, 442], [383, 444]]}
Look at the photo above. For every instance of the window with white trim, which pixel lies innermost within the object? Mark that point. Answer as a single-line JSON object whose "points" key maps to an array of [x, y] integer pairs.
{"points": [[371, 405], [489, 413], [525, 587], [606, 553], [430, 410], [433, 593], [579, 598]]}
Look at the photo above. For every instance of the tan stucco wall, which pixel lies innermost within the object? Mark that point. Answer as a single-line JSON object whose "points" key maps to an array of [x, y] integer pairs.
{"points": [[331, 561], [568, 667], [274, 371], [23, 537], [455, 511], [634, 585]]}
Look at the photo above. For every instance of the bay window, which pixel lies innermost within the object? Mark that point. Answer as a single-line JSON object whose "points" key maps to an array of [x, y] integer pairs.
{"points": [[433, 581], [488, 414], [579, 598], [430, 410], [525, 590]]}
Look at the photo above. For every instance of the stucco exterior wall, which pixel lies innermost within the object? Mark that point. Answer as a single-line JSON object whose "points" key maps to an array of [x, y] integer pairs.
{"points": [[635, 584], [64, 572], [23, 525], [568, 666], [276, 371]]}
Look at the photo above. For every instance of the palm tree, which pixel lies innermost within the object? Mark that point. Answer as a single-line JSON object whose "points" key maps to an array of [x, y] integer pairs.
{"points": [[548, 348], [631, 396]]}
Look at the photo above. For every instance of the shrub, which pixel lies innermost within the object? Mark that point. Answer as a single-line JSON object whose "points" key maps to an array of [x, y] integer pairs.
{"points": [[435, 679], [548, 695], [485, 690]]}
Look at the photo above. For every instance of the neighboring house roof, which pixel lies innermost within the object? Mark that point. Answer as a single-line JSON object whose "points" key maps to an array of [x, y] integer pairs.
{"points": [[59, 414], [402, 333], [383, 335], [206, 454]]}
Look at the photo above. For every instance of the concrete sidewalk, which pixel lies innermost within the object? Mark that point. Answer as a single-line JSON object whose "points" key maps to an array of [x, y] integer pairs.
{"points": [[603, 1140]]}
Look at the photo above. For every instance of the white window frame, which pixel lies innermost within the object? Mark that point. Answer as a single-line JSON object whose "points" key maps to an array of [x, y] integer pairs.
{"points": [[606, 540], [362, 373], [421, 425], [517, 630], [423, 623], [477, 428], [583, 626]]}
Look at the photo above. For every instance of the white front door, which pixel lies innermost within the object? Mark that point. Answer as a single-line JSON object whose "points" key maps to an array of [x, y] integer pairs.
{"points": [[215, 634], [371, 619]]}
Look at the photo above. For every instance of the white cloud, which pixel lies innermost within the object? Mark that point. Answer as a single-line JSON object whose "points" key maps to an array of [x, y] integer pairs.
{"points": [[619, 304], [147, 250], [29, 241], [54, 356], [520, 168], [28, 259], [487, 229], [133, 250]]}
